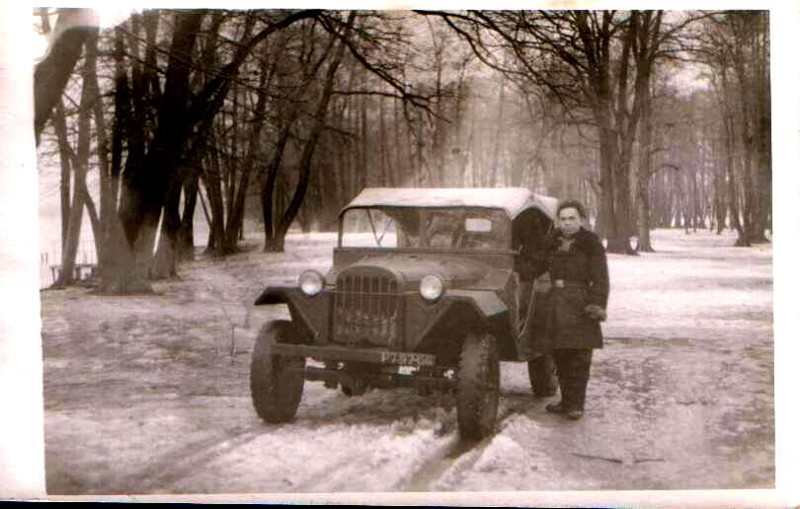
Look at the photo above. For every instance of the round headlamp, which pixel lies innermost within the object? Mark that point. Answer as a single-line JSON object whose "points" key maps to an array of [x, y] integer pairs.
{"points": [[311, 282], [431, 287]]}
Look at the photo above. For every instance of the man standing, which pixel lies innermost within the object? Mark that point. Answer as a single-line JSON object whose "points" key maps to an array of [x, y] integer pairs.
{"points": [[574, 306]]}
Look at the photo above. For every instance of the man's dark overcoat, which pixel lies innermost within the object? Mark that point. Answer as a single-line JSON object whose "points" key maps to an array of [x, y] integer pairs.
{"points": [[578, 277]]}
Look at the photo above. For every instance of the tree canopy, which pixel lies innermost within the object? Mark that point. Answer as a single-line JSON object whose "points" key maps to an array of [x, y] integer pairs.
{"points": [[653, 118]]}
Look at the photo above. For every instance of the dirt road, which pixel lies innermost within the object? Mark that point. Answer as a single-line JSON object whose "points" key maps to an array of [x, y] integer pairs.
{"points": [[150, 394]]}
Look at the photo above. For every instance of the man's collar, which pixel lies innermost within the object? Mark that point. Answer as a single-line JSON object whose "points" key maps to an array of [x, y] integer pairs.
{"points": [[559, 233]]}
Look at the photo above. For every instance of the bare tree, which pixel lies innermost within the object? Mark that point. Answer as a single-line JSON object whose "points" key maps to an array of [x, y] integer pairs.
{"points": [[316, 127], [75, 162], [311, 106], [179, 130], [73, 28], [735, 46]]}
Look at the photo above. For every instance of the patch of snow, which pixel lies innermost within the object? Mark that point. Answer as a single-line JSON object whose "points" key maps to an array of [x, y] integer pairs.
{"points": [[150, 394]]}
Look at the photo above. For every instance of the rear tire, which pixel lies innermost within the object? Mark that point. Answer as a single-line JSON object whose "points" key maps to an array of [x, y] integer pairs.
{"points": [[276, 382], [478, 393]]}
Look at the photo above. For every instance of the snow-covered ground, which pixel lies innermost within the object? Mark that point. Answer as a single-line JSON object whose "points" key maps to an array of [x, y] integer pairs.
{"points": [[150, 394]]}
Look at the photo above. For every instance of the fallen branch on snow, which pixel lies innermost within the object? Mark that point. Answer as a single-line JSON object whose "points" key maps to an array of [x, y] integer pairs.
{"points": [[621, 461]]}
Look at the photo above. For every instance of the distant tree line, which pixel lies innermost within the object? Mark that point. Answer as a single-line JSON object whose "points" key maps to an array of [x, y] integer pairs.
{"points": [[177, 110]]}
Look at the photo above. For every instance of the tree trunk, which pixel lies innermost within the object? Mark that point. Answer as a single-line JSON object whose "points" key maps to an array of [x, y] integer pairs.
{"points": [[185, 241], [385, 158], [494, 165], [73, 28], [116, 255], [643, 178], [236, 216], [277, 243], [733, 202], [64, 150], [615, 129], [762, 126], [80, 166], [625, 127], [720, 205], [268, 187], [692, 209], [164, 264], [106, 233], [65, 155], [646, 33], [146, 184], [181, 116], [271, 193], [395, 180], [643, 211], [364, 138], [730, 141], [213, 184], [751, 204]]}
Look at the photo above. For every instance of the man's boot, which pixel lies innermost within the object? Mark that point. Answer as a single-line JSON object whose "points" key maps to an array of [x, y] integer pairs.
{"points": [[562, 407], [579, 378], [542, 374]]}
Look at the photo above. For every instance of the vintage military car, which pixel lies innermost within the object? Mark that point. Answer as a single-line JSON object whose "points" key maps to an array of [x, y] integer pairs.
{"points": [[423, 292]]}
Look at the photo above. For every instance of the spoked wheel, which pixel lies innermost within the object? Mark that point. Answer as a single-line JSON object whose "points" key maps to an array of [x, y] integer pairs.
{"points": [[276, 382], [478, 386]]}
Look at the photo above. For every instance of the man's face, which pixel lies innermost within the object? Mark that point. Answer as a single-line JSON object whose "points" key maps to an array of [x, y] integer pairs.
{"points": [[569, 221]]}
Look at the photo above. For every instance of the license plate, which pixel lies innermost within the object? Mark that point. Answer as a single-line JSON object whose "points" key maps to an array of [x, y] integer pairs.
{"points": [[406, 359]]}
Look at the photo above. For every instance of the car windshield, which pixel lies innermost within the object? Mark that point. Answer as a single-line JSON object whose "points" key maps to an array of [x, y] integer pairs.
{"points": [[439, 228]]}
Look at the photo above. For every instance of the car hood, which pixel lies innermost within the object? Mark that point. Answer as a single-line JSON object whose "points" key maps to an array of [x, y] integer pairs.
{"points": [[412, 268]]}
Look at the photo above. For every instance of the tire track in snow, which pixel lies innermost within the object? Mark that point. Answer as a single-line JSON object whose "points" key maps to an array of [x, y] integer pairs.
{"points": [[171, 468], [426, 476], [448, 456], [343, 463]]}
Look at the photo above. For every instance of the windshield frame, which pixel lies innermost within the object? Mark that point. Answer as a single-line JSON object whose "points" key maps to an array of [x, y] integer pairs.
{"points": [[422, 229]]}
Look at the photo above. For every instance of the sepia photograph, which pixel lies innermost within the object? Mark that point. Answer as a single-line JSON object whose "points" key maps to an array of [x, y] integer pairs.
{"points": [[390, 252]]}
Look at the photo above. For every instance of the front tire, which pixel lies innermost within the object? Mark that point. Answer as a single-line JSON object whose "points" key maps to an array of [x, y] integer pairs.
{"points": [[478, 386], [276, 382]]}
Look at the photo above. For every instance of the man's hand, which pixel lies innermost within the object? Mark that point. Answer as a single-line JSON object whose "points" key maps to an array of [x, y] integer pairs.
{"points": [[595, 312]]}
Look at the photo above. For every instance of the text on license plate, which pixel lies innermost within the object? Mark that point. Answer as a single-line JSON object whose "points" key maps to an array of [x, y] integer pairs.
{"points": [[406, 359]]}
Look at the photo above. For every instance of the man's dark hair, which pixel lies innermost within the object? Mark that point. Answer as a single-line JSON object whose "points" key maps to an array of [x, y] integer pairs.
{"points": [[572, 204]]}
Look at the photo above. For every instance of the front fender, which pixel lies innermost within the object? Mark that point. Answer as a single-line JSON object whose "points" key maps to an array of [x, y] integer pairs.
{"points": [[439, 329], [487, 303], [274, 295], [308, 313]]}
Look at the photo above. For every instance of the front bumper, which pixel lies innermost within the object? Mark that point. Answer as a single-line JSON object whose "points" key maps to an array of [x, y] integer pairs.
{"points": [[368, 355]]}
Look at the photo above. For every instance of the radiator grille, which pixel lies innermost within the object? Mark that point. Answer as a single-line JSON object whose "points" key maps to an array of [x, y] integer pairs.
{"points": [[366, 309]]}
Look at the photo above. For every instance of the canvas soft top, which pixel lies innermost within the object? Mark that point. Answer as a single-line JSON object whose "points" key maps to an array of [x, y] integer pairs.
{"points": [[513, 200]]}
